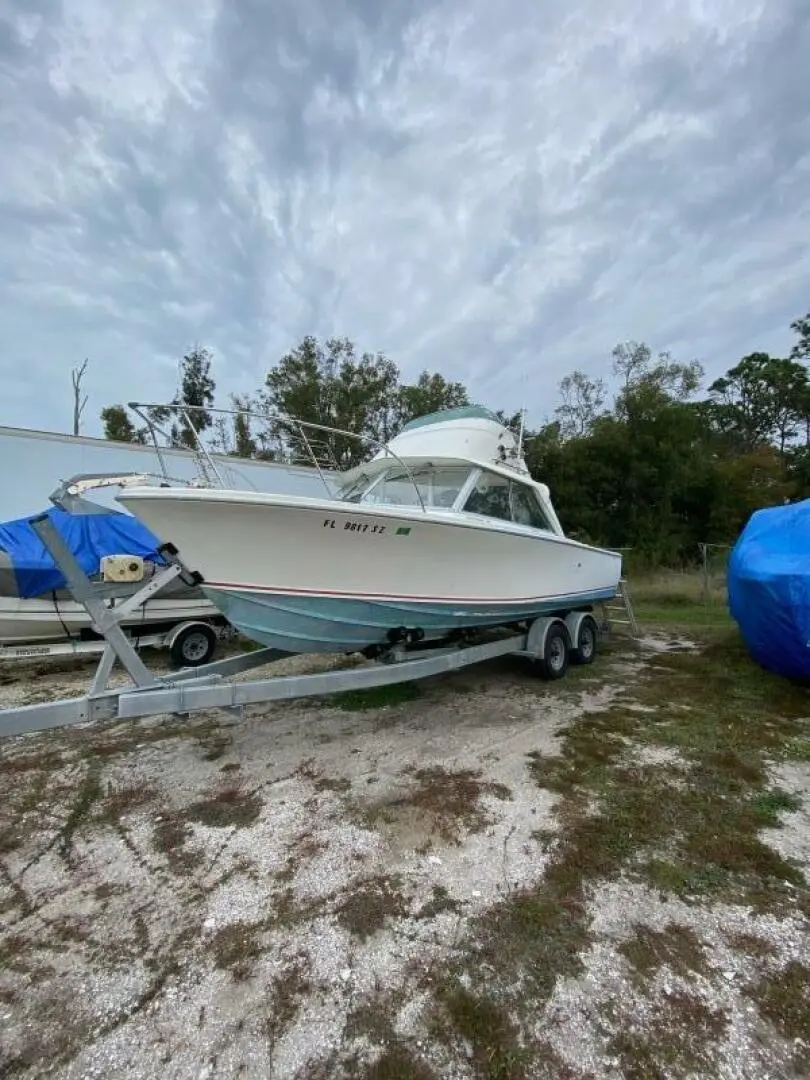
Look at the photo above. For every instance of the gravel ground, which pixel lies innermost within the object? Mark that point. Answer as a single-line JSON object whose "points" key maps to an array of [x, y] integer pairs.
{"points": [[221, 898]]}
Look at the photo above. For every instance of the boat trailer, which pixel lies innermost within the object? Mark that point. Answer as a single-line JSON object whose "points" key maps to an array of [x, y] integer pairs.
{"points": [[549, 641]]}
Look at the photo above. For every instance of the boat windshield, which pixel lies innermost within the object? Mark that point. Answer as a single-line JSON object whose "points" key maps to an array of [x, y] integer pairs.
{"points": [[438, 486], [509, 500], [352, 492]]}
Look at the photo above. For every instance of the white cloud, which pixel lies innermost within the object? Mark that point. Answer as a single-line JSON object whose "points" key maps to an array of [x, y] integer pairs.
{"points": [[500, 193]]}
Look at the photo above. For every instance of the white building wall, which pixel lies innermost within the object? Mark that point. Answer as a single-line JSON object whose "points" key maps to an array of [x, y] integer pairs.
{"points": [[33, 463]]}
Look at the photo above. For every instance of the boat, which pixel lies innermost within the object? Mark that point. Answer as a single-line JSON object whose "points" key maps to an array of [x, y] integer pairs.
{"points": [[441, 531], [36, 606]]}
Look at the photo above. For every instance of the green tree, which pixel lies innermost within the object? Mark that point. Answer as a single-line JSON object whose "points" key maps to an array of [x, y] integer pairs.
{"points": [[742, 483], [582, 401], [801, 349], [630, 358], [634, 476], [244, 443], [430, 393], [119, 427], [762, 399], [196, 395], [330, 385]]}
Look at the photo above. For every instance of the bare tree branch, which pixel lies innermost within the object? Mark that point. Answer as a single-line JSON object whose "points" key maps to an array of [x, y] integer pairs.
{"points": [[79, 402]]}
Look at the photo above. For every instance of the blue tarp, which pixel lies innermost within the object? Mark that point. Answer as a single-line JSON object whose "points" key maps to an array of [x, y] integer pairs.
{"points": [[769, 588], [89, 537]]}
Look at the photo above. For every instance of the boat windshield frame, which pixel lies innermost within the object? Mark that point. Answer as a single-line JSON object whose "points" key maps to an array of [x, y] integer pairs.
{"points": [[511, 483], [363, 489]]}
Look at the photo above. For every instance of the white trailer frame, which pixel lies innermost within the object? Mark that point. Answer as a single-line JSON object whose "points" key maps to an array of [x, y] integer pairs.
{"points": [[549, 640]]}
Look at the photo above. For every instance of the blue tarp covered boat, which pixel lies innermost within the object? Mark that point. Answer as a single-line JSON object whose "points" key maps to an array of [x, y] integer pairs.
{"points": [[769, 588], [89, 536]]}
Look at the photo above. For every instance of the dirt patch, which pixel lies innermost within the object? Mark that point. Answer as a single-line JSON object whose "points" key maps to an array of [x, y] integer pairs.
{"points": [[439, 804], [783, 998], [369, 907], [676, 947], [674, 1041], [235, 947], [231, 807], [287, 992]]}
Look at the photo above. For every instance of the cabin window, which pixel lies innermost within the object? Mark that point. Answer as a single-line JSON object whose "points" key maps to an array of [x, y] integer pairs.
{"points": [[508, 500], [438, 487], [527, 509]]}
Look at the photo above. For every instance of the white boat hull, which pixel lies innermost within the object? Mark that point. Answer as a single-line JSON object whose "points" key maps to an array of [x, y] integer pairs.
{"points": [[28, 622], [310, 575]]}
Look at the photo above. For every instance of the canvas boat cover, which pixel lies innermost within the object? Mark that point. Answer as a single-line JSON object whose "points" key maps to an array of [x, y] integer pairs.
{"points": [[769, 588], [89, 536]]}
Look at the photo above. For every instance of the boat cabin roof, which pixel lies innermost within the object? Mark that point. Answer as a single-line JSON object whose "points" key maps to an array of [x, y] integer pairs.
{"points": [[463, 412]]}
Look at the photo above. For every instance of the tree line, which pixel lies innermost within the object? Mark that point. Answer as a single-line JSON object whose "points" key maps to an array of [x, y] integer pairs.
{"points": [[658, 465]]}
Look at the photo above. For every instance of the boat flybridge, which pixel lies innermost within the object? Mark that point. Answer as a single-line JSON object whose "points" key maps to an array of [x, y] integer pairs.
{"points": [[441, 531], [436, 551]]}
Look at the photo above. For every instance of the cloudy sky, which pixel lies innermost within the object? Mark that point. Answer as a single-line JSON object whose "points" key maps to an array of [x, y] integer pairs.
{"points": [[501, 192]]}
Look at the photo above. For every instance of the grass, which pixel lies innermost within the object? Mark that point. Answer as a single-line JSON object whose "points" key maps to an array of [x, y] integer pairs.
{"points": [[440, 902], [678, 598], [88, 793], [487, 1029], [397, 1063], [688, 825], [376, 697], [287, 991], [784, 997]]}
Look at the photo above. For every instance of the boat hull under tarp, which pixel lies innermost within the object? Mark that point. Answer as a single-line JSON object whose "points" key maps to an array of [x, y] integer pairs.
{"points": [[769, 588], [36, 607]]}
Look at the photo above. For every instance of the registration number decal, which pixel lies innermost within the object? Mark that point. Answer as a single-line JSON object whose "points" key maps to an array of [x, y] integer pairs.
{"points": [[355, 527]]}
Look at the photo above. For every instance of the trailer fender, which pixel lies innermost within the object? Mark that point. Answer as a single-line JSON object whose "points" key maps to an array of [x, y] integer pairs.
{"points": [[548, 644]]}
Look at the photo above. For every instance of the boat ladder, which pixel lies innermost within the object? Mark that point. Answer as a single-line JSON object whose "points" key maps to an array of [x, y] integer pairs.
{"points": [[622, 604]]}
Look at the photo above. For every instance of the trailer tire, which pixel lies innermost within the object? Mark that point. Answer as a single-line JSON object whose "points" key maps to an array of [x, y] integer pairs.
{"points": [[556, 652], [194, 646], [587, 640]]}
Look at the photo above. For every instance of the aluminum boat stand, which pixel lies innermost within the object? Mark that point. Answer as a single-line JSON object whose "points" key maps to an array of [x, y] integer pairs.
{"points": [[547, 640]]}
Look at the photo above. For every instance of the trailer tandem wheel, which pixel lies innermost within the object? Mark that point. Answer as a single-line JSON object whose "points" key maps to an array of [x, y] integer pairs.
{"points": [[586, 642]]}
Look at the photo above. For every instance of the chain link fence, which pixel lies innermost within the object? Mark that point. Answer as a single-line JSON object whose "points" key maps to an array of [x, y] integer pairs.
{"points": [[701, 585]]}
